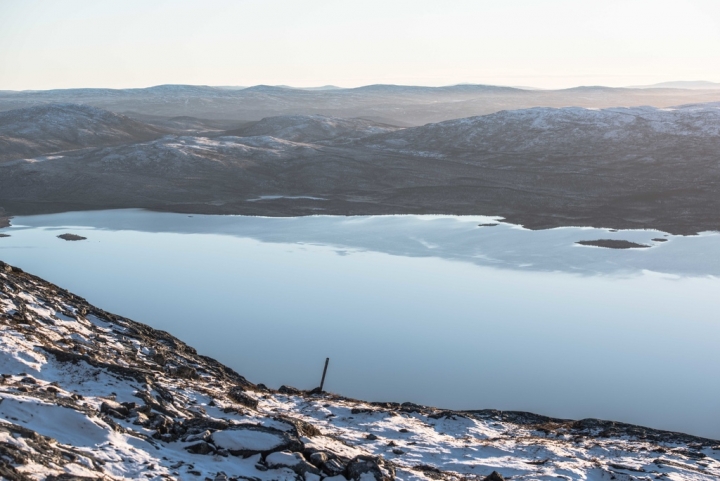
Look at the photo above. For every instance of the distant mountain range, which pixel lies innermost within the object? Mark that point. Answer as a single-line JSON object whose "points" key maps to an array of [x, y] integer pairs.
{"points": [[541, 167], [686, 84], [391, 104]]}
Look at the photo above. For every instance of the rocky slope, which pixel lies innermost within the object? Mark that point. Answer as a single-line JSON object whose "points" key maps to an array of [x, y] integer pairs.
{"points": [[48, 129], [86, 394]]}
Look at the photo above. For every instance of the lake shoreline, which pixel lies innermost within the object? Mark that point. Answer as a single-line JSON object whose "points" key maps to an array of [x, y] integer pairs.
{"points": [[308, 207]]}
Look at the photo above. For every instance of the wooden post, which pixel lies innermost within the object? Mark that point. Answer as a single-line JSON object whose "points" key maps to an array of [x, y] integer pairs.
{"points": [[322, 383]]}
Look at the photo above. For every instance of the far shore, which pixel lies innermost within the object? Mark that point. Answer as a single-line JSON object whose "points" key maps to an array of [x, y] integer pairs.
{"points": [[532, 219]]}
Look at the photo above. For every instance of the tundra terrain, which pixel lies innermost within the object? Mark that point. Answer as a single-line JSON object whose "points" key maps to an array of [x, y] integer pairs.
{"points": [[636, 167]]}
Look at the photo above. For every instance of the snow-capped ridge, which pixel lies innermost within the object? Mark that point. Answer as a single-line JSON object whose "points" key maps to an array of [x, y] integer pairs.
{"points": [[569, 129]]}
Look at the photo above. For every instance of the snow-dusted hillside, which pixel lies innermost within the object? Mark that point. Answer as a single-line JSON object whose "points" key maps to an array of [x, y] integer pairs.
{"points": [[86, 394], [45, 129], [571, 131], [189, 152], [314, 128], [187, 125], [621, 167]]}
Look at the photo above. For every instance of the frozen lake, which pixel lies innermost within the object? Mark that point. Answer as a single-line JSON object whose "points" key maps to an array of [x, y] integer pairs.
{"points": [[429, 309]]}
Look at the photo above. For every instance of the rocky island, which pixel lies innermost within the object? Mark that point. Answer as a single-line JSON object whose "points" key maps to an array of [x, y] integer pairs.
{"points": [[612, 244], [71, 237], [86, 394]]}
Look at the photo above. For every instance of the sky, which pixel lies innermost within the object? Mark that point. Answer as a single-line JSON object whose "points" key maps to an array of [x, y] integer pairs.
{"points": [[538, 43]]}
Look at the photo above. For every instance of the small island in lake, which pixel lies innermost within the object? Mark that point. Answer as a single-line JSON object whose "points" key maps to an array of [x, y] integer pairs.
{"points": [[612, 244], [71, 237]]}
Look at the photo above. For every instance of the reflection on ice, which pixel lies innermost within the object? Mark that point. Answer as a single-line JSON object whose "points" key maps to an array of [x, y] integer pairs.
{"points": [[477, 239]]}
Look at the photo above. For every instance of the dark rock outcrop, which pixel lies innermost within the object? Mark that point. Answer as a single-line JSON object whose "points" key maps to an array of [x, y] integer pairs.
{"points": [[494, 476], [612, 244], [360, 466], [71, 237]]}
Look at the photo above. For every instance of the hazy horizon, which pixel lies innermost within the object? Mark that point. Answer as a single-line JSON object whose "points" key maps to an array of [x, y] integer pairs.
{"points": [[715, 85], [559, 44]]}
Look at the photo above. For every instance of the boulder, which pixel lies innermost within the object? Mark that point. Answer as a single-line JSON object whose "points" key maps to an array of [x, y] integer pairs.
{"points": [[318, 458], [294, 461], [203, 436], [201, 448], [494, 476], [238, 395], [333, 467], [246, 440], [141, 419], [185, 372], [289, 390], [302, 428], [115, 409], [360, 467], [159, 359]]}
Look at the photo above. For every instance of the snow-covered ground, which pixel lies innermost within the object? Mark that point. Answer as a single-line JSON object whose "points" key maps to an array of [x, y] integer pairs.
{"points": [[86, 394]]}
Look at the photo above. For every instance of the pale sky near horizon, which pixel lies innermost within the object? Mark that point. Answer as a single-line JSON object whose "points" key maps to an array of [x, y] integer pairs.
{"points": [[48, 44]]}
